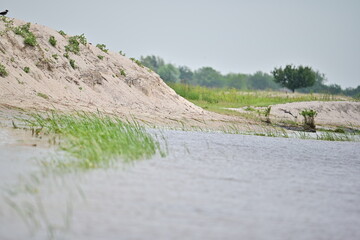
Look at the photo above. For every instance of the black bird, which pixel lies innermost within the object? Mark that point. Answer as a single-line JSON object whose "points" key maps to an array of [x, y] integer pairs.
{"points": [[4, 12]]}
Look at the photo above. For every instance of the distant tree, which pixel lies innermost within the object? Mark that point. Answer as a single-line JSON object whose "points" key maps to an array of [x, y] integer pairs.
{"points": [[169, 73], [236, 80], [262, 81], [208, 77], [293, 77], [186, 75], [334, 89], [319, 85], [353, 92], [152, 62]]}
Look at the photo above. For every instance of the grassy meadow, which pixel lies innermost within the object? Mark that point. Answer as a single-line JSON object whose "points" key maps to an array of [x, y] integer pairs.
{"points": [[217, 99]]}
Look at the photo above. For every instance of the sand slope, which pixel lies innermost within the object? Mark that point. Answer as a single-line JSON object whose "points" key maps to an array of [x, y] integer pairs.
{"points": [[94, 83]]}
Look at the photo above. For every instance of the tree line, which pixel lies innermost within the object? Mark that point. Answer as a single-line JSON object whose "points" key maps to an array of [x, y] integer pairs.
{"points": [[210, 77]]}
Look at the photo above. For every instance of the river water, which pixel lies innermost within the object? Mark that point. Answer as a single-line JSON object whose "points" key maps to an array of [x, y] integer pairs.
{"points": [[210, 186]]}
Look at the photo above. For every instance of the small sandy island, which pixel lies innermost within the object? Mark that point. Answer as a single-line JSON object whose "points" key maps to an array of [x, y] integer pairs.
{"points": [[329, 113]]}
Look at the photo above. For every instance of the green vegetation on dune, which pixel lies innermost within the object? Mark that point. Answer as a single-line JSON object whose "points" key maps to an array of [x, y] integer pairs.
{"points": [[96, 139], [24, 31]]}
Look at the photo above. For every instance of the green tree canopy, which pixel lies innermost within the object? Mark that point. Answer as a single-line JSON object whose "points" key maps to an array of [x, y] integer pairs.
{"points": [[186, 75], [237, 80], [293, 77], [169, 73], [262, 81], [152, 62], [209, 77]]}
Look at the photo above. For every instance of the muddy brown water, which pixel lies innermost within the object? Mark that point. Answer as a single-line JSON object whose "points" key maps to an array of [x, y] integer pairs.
{"points": [[210, 186]]}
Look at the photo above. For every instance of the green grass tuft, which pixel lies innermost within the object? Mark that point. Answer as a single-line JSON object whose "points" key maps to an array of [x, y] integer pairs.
{"points": [[43, 95], [96, 139], [122, 72], [3, 72], [62, 33], [102, 47], [72, 63], [24, 31], [137, 62], [52, 41]]}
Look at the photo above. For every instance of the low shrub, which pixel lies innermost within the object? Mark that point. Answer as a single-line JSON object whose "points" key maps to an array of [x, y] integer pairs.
{"points": [[52, 41], [102, 47], [62, 33], [122, 72], [3, 71], [24, 31], [72, 63], [309, 118], [43, 95]]}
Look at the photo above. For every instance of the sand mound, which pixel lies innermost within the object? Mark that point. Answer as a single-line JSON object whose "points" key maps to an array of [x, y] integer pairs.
{"points": [[108, 81], [329, 113]]}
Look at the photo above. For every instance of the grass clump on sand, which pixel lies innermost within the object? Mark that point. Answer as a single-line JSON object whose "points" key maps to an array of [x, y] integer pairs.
{"points": [[102, 47], [74, 43], [26, 69], [43, 95], [96, 139], [24, 31], [52, 41], [3, 72], [72, 63]]}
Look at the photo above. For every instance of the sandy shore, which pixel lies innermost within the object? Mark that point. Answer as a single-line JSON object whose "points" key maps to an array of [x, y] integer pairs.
{"points": [[333, 113]]}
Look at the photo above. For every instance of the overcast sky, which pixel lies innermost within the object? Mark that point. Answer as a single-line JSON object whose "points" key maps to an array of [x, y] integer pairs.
{"points": [[240, 36]]}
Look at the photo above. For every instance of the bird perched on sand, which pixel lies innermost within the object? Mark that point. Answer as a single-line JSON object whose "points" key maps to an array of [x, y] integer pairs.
{"points": [[4, 12]]}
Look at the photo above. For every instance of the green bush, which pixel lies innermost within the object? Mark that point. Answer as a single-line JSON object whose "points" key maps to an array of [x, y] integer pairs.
{"points": [[82, 39], [100, 57], [72, 63], [102, 47], [309, 118], [52, 41], [62, 33], [24, 31], [3, 71], [26, 69], [73, 45], [122, 72], [137, 62]]}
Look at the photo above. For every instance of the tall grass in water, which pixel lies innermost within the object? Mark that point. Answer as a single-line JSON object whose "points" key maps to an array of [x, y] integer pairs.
{"points": [[96, 139]]}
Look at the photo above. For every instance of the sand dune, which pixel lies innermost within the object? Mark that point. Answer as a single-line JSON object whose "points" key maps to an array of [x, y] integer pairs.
{"points": [[113, 84]]}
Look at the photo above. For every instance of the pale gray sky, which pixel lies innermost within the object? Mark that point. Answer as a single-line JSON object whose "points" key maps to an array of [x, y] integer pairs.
{"points": [[229, 35]]}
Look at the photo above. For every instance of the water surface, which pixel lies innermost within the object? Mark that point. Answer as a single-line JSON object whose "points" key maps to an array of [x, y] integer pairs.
{"points": [[210, 186]]}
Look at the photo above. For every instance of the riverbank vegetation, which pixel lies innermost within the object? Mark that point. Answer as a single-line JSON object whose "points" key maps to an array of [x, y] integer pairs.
{"points": [[219, 99], [94, 140], [210, 77]]}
